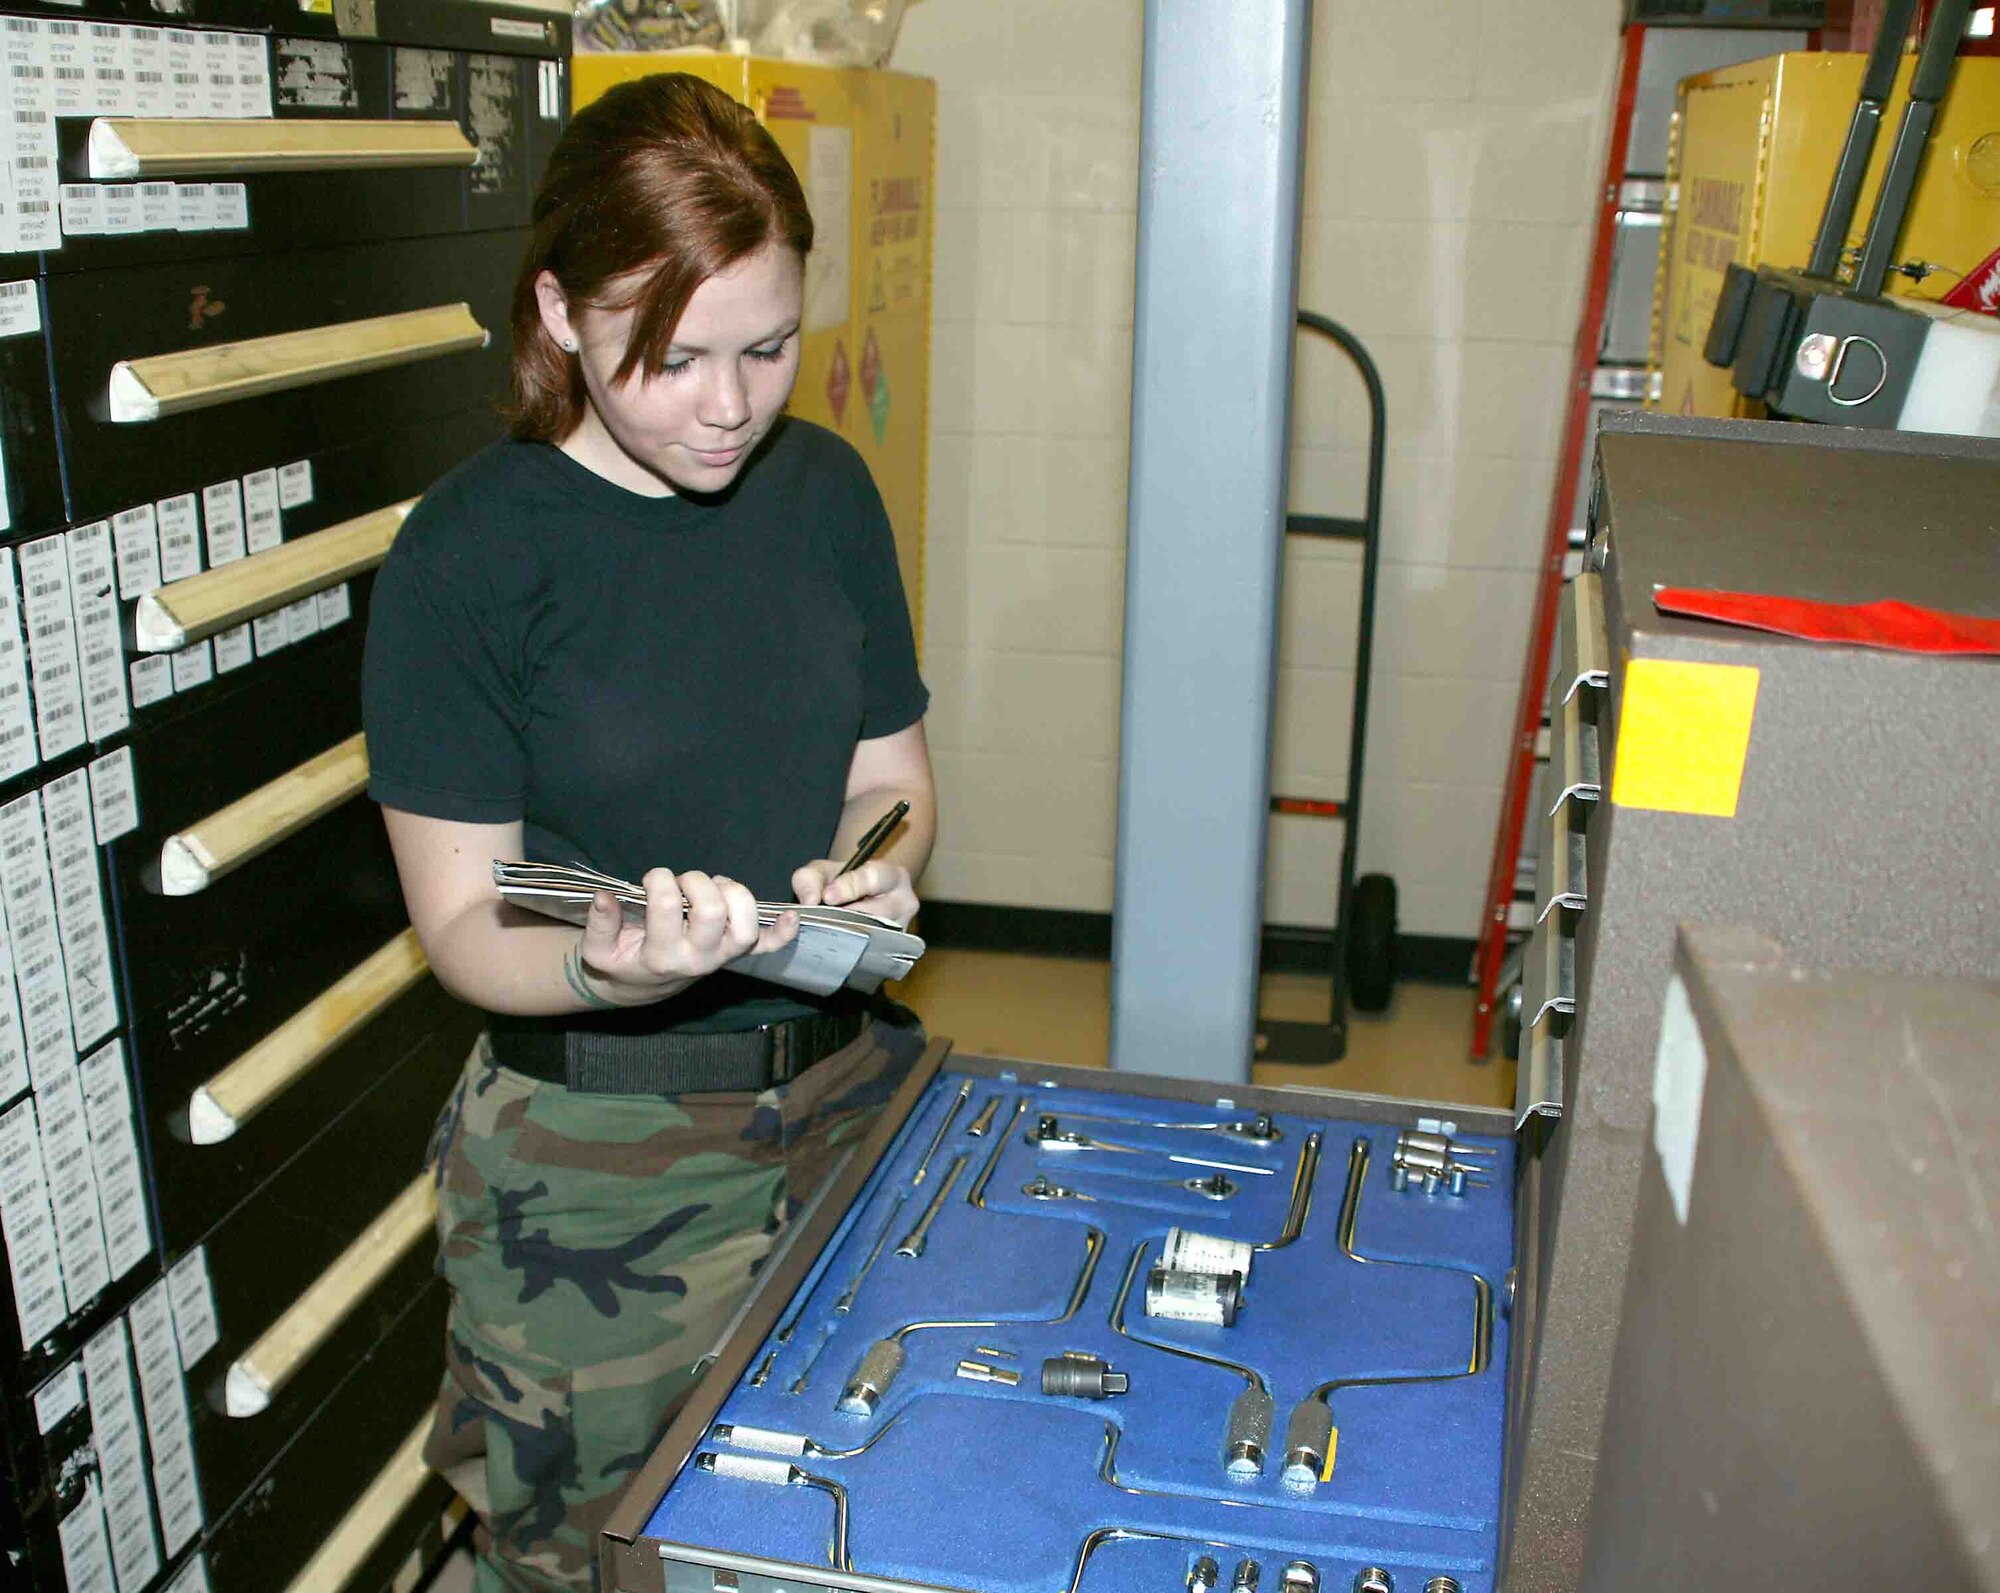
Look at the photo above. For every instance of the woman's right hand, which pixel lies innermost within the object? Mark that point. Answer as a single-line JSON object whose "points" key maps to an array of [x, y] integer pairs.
{"points": [[694, 924]]}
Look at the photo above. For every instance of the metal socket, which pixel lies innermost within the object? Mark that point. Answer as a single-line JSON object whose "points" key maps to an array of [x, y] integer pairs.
{"points": [[1203, 1574], [1373, 1579], [1074, 1375], [1246, 1577], [1300, 1576]]}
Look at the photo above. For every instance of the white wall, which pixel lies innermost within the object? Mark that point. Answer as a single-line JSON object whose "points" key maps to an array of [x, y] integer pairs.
{"points": [[1453, 150]]}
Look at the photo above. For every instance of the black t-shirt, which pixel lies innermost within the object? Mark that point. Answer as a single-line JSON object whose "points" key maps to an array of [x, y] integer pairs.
{"points": [[643, 682]]}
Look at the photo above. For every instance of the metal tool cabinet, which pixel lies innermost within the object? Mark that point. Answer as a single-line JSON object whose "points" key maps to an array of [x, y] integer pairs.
{"points": [[254, 269], [1394, 1300]]}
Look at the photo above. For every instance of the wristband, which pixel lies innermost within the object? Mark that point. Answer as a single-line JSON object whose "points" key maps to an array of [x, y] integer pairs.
{"points": [[573, 971]]}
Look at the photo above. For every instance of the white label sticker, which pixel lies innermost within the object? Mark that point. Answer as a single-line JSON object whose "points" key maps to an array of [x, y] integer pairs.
{"points": [[29, 1228], [137, 535], [271, 633], [334, 606], [253, 75], [82, 210], [551, 91], [218, 70], [86, 1557], [184, 80], [56, 1398], [301, 619], [118, 1437], [193, 666], [180, 538], [152, 680], [1680, 1076], [114, 796], [114, 1147], [232, 206], [69, 69], [52, 645], [194, 1306], [35, 943], [99, 644], [829, 189], [109, 52], [165, 1399], [20, 309], [30, 92], [517, 28], [222, 514], [263, 529], [121, 209], [80, 916], [159, 209], [194, 207], [72, 1189], [17, 722], [295, 484], [233, 649], [151, 95]]}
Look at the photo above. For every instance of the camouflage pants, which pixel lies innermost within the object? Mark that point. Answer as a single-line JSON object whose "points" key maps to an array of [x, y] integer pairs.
{"points": [[596, 1246]]}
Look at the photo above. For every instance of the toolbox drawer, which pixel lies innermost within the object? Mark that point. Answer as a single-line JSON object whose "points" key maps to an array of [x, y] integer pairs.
{"points": [[1379, 1311], [264, 1541], [274, 1248], [34, 495], [98, 319]]}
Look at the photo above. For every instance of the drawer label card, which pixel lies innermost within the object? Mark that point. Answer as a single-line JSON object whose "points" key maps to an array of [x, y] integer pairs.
{"points": [[184, 79], [233, 649], [193, 1577], [82, 210], [33, 222], [136, 533], [193, 1300], [295, 484], [194, 207], [253, 75], [80, 916], [20, 309], [73, 1189], [1683, 736], [180, 538], [218, 72], [152, 680], [232, 206], [100, 646], [85, 1556], [121, 209], [263, 528], [335, 605], [56, 1398], [222, 514], [114, 796], [151, 95], [159, 209], [17, 721], [121, 1456], [35, 942], [29, 1227], [193, 666], [164, 1396], [301, 619], [114, 1147], [58, 684], [271, 632], [110, 56]]}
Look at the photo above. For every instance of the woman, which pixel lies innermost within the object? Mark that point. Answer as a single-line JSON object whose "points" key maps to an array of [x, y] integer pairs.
{"points": [[662, 624]]}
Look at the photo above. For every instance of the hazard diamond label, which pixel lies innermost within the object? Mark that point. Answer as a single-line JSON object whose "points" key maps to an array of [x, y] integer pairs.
{"points": [[1978, 290]]}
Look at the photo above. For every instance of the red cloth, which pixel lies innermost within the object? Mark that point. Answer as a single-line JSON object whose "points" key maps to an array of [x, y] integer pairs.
{"points": [[1900, 627]]}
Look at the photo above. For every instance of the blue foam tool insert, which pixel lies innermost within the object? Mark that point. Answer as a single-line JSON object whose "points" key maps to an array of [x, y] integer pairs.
{"points": [[978, 1485]]}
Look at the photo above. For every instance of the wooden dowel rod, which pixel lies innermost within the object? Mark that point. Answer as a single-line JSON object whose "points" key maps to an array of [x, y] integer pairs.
{"points": [[226, 839], [127, 149], [394, 1489]]}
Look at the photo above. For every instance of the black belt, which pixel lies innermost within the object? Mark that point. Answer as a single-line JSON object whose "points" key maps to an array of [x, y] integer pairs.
{"points": [[669, 1062]]}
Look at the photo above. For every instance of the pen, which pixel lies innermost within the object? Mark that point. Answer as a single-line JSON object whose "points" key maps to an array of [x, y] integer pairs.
{"points": [[878, 832]]}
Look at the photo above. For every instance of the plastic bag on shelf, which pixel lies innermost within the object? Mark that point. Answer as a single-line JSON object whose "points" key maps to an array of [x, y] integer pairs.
{"points": [[833, 32], [607, 25]]}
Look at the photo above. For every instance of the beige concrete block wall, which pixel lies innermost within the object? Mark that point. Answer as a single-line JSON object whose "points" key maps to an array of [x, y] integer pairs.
{"points": [[1453, 149]]}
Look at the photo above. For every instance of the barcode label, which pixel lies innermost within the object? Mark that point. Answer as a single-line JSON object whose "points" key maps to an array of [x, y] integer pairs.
{"points": [[152, 680], [114, 796], [121, 1455], [80, 916], [85, 1555], [194, 207], [233, 649], [17, 726], [222, 514], [334, 606], [271, 633], [232, 206], [72, 1188], [301, 619], [295, 484], [150, 95], [20, 309], [263, 526], [136, 532], [52, 656], [100, 647], [194, 1306], [114, 1146], [157, 207], [29, 1227], [193, 666], [180, 537], [82, 210], [165, 1399]]}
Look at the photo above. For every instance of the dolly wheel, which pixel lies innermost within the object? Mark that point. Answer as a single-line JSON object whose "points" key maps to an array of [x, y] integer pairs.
{"points": [[1371, 942]]}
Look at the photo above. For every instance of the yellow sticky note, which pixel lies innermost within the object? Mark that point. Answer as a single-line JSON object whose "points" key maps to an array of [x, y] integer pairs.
{"points": [[1683, 736]]}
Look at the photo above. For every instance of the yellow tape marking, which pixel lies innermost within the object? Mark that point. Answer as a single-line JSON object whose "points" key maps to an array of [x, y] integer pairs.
{"points": [[1332, 1448], [1683, 736]]}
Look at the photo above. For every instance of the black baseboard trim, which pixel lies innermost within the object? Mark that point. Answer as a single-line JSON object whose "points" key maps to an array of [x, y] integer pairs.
{"points": [[1067, 932]]}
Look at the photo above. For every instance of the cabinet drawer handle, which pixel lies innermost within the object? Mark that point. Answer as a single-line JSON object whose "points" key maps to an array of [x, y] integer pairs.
{"points": [[224, 1103], [182, 614], [1577, 773], [288, 1343], [1548, 975], [1538, 1085], [124, 149], [382, 1502], [173, 384], [1584, 652], [1560, 870], [229, 837]]}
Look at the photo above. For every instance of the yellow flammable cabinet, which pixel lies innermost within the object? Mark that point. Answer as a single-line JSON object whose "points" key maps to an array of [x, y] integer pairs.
{"points": [[1754, 147], [863, 144]]}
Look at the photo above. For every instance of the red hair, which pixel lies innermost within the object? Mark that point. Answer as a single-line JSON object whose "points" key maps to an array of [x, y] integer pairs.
{"points": [[665, 181]]}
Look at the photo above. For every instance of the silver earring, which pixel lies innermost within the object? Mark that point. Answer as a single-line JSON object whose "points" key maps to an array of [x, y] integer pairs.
{"points": [[569, 345]]}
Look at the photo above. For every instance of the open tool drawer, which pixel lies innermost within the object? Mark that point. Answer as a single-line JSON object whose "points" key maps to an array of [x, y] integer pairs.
{"points": [[1350, 1418]]}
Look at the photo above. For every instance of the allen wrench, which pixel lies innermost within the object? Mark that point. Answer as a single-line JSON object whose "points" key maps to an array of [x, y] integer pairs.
{"points": [[785, 1474], [1049, 1134], [1309, 1433]]}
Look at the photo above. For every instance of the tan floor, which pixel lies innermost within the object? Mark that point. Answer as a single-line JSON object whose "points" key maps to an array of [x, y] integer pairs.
{"points": [[1052, 1009]]}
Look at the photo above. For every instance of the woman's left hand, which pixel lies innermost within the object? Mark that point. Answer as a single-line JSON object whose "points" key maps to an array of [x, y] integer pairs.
{"points": [[882, 888]]}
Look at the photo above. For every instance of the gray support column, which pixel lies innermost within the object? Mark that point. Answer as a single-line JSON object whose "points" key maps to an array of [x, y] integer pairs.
{"points": [[1222, 104]]}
